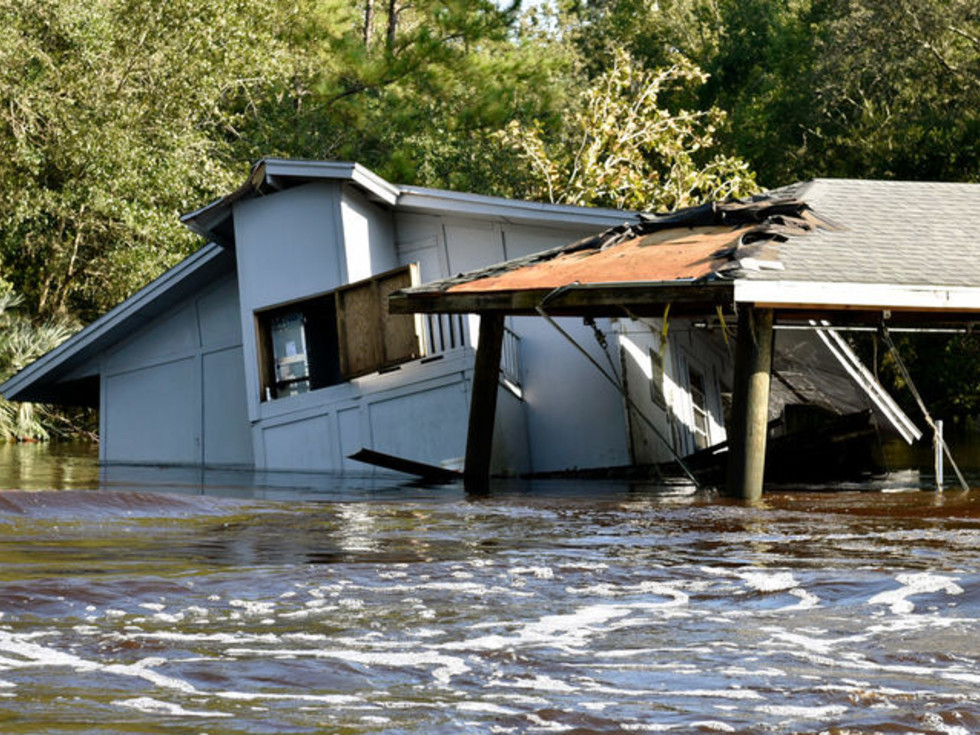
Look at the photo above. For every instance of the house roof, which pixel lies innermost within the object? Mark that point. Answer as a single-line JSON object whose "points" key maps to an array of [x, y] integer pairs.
{"points": [[59, 376], [822, 244], [214, 220], [901, 245]]}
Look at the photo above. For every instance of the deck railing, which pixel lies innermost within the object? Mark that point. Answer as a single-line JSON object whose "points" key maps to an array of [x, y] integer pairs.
{"points": [[445, 332]]}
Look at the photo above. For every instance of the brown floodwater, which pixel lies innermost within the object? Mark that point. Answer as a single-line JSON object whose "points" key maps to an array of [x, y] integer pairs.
{"points": [[145, 600]]}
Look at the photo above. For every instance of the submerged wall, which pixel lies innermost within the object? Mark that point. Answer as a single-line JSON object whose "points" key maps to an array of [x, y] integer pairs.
{"points": [[174, 392]]}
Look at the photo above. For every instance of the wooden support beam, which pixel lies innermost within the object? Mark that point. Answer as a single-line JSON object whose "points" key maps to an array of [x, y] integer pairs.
{"points": [[483, 403], [750, 404]]}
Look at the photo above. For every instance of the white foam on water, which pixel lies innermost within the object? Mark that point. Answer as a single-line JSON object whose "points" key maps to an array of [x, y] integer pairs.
{"points": [[254, 607], [444, 668], [769, 581], [676, 597], [538, 572], [485, 708], [228, 638], [915, 584], [167, 617], [473, 589], [646, 727], [571, 631], [739, 694], [334, 699], [713, 725], [735, 671], [813, 713], [429, 633], [155, 606], [152, 706], [539, 682], [543, 725], [934, 721]]}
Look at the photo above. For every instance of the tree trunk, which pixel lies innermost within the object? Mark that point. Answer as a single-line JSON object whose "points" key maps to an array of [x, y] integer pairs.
{"points": [[368, 21], [392, 24]]}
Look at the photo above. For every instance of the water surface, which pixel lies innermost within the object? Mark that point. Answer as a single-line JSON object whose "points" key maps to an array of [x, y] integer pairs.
{"points": [[155, 601]]}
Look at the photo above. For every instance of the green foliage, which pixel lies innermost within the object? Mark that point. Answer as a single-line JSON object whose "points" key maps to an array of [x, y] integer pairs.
{"points": [[22, 342], [414, 93], [114, 117], [621, 145]]}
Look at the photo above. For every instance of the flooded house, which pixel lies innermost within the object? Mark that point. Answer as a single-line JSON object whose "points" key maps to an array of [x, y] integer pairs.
{"points": [[271, 347], [818, 257], [607, 338]]}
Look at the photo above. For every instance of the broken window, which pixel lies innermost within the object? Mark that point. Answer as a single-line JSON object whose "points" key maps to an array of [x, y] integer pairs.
{"points": [[325, 340]]}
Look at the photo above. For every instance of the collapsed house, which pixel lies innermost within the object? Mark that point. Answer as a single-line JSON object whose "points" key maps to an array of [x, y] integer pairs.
{"points": [[818, 255], [273, 347]]}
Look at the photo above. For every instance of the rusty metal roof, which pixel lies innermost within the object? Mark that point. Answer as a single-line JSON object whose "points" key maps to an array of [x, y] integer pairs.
{"points": [[710, 244]]}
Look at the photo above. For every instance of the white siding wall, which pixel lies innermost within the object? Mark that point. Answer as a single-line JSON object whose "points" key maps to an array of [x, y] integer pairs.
{"points": [[688, 348], [174, 392], [369, 237], [319, 237], [417, 411], [571, 417], [289, 246]]}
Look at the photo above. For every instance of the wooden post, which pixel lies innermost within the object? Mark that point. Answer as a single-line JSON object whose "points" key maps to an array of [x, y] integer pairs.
{"points": [[750, 404], [483, 403]]}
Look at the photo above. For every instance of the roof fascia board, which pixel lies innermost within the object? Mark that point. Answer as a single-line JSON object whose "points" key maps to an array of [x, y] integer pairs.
{"points": [[453, 202], [580, 299], [370, 182], [271, 172], [866, 296], [76, 345]]}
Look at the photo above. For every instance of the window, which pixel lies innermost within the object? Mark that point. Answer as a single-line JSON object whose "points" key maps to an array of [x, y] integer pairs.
{"points": [[336, 336], [657, 379], [699, 408]]}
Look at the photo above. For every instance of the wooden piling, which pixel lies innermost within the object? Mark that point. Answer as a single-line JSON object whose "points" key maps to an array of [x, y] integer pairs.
{"points": [[483, 403], [750, 403]]}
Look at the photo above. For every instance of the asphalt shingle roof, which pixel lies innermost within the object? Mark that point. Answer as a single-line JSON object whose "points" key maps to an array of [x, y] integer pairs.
{"points": [[890, 232]]}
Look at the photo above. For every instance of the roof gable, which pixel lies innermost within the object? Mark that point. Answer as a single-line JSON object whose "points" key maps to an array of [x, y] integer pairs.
{"points": [[39, 381]]}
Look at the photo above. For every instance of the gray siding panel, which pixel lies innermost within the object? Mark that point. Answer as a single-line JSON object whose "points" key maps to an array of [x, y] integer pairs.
{"points": [[227, 439], [153, 414]]}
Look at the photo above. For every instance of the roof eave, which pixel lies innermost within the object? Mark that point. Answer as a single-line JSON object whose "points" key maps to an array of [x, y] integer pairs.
{"points": [[275, 174], [33, 382], [420, 199], [796, 294]]}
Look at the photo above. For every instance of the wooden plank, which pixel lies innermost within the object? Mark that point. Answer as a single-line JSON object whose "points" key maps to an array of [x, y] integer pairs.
{"points": [[427, 472], [400, 337], [483, 403], [576, 300], [358, 326]]}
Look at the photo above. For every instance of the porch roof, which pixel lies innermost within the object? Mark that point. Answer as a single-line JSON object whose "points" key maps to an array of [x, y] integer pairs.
{"points": [[821, 246]]}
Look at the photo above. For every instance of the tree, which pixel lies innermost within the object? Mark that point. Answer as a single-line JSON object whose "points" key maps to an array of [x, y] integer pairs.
{"points": [[22, 342], [114, 117], [621, 145], [412, 90]]}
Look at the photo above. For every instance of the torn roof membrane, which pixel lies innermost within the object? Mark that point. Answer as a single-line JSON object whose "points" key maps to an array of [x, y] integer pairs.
{"points": [[699, 244]]}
